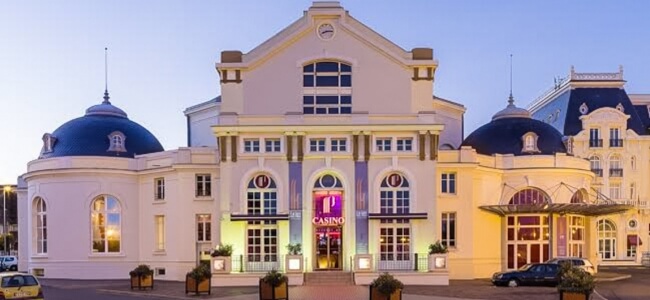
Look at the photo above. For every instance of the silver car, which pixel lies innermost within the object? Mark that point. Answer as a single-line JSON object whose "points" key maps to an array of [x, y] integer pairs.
{"points": [[577, 262]]}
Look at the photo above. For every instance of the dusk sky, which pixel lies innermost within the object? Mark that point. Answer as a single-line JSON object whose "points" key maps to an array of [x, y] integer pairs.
{"points": [[162, 54]]}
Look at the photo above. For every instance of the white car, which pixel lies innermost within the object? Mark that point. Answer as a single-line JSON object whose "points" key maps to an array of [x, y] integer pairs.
{"points": [[8, 263], [578, 262]]}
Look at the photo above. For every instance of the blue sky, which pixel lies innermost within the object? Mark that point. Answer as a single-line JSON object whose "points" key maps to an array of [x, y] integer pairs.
{"points": [[162, 54]]}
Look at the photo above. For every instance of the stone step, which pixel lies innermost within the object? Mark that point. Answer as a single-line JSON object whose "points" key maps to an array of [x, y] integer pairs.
{"points": [[329, 278]]}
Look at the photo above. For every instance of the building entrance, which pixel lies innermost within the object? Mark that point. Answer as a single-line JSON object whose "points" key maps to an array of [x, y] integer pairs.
{"points": [[329, 248]]}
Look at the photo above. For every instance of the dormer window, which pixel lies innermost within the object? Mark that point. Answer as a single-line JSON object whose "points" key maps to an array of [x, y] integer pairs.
{"points": [[584, 109], [620, 107], [117, 142], [48, 143], [530, 143]]}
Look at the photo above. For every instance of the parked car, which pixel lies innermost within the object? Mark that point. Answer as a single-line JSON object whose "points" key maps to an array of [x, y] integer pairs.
{"points": [[578, 262], [530, 274], [8, 263], [14, 285]]}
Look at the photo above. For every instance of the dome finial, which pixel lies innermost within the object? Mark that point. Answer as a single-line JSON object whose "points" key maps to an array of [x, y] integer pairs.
{"points": [[106, 97], [511, 99]]}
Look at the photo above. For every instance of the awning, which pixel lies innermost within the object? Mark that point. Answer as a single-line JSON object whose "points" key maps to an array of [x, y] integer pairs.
{"points": [[558, 208], [632, 240]]}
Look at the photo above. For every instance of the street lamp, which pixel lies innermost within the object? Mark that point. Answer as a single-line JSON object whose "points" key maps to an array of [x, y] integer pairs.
{"points": [[5, 190]]}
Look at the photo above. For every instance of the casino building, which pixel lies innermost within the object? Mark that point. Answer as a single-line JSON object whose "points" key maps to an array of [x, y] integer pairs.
{"points": [[326, 135]]}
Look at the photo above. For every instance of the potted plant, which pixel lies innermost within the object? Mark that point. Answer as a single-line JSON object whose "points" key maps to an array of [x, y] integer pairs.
{"points": [[141, 277], [198, 280], [221, 261], [386, 287], [274, 285], [293, 261], [437, 257], [575, 283]]}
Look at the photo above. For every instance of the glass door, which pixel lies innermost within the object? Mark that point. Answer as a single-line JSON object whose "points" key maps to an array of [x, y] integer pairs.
{"points": [[328, 248], [607, 248]]}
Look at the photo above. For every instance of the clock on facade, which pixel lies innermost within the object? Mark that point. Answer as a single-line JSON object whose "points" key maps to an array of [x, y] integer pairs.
{"points": [[326, 31]]}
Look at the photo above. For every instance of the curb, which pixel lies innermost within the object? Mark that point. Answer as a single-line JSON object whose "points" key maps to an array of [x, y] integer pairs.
{"points": [[157, 296], [617, 278]]}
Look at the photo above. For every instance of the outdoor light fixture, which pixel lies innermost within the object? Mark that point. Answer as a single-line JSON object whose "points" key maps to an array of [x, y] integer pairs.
{"points": [[362, 263]]}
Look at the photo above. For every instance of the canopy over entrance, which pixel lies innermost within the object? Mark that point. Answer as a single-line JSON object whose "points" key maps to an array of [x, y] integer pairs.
{"points": [[558, 208]]}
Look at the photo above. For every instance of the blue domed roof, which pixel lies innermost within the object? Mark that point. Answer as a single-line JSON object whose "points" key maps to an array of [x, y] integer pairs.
{"points": [[89, 135], [504, 134]]}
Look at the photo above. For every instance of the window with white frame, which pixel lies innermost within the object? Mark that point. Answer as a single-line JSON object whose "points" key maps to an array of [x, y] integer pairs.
{"points": [[160, 232], [327, 88], [317, 145], [614, 133], [203, 185], [576, 236], [106, 225], [594, 162], [251, 145], [272, 145], [395, 198], [448, 229], [159, 188], [262, 236], [116, 142], [615, 190], [448, 183], [339, 145], [405, 144], [40, 225], [594, 134], [383, 144], [203, 227], [530, 142]]}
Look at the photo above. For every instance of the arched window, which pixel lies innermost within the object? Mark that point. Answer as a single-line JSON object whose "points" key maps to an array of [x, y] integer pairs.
{"points": [[262, 235], [578, 197], [529, 197], [327, 88], [106, 224], [606, 239], [615, 166], [39, 210], [633, 162], [633, 191], [395, 233], [594, 162], [530, 142]]}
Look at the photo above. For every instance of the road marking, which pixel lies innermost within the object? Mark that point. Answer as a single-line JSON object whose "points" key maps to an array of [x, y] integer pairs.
{"points": [[599, 295]]}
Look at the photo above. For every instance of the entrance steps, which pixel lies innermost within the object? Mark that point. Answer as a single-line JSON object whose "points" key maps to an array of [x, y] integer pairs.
{"points": [[329, 278]]}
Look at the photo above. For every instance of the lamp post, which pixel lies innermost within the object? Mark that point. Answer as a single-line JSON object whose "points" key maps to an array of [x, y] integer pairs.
{"points": [[5, 190]]}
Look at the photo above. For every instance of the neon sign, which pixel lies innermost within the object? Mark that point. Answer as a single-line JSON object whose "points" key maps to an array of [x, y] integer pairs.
{"points": [[328, 220]]}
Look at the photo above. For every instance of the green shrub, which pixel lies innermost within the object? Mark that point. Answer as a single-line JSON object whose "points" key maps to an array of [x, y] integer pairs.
{"points": [[575, 280], [387, 284], [294, 249], [437, 248], [222, 250], [141, 271], [200, 272], [274, 278]]}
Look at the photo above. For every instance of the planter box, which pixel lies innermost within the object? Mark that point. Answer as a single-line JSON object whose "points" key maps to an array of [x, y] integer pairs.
{"points": [[267, 292], [197, 287], [568, 295], [438, 262], [220, 264], [376, 295], [142, 282], [294, 264]]}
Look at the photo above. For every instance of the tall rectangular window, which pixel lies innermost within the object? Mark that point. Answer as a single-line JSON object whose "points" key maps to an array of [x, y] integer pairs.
{"points": [[576, 236], [594, 134], [159, 191], [405, 144], [615, 191], [203, 185], [448, 183], [203, 227], [317, 145], [160, 232], [251, 145], [339, 145], [383, 144], [272, 145], [327, 88], [448, 226]]}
